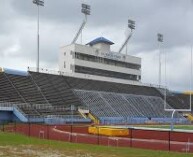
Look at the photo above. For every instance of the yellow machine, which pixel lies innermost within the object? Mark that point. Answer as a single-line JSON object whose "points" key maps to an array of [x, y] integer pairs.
{"points": [[108, 131], [86, 113], [188, 92], [189, 116]]}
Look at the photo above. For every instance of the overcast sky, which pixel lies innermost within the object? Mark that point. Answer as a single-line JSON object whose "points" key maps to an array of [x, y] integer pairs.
{"points": [[60, 19]]}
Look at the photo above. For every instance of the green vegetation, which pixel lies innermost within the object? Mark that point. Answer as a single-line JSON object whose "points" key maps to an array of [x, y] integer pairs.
{"points": [[176, 127], [14, 144]]}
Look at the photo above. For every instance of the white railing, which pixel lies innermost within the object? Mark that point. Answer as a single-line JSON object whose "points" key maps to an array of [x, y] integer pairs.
{"points": [[64, 116], [82, 107], [6, 104]]}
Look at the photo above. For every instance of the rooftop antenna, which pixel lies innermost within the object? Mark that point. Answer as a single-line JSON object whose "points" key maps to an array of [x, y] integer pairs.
{"points": [[160, 40], [131, 25], [86, 11]]}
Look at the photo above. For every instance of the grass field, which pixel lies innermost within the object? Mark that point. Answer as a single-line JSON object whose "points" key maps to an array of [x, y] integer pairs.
{"points": [[176, 127], [22, 146]]}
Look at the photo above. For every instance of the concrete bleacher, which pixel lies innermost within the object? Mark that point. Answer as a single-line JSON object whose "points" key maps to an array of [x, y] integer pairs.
{"points": [[55, 89], [179, 101], [84, 84], [176, 100], [7, 91], [46, 94], [27, 89], [42, 95], [106, 104]]}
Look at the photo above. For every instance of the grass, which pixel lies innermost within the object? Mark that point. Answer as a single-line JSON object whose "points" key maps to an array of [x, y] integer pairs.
{"points": [[176, 127], [20, 143]]}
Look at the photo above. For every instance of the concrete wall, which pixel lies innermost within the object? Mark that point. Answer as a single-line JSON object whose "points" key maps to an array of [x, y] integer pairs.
{"points": [[67, 61], [66, 57], [7, 116]]}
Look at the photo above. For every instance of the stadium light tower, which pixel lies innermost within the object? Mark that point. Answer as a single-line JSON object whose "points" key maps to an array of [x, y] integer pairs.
{"points": [[131, 25], [191, 79], [38, 3], [160, 40], [86, 9]]}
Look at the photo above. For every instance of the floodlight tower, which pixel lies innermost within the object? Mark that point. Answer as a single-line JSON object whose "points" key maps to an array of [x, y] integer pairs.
{"points": [[160, 40], [38, 3], [131, 25], [86, 11], [191, 80]]}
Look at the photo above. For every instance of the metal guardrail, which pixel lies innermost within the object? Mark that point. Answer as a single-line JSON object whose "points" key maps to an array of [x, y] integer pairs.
{"points": [[64, 116]]}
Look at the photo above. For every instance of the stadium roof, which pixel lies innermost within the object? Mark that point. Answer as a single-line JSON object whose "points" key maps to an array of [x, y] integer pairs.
{"points": [[100, 40]]}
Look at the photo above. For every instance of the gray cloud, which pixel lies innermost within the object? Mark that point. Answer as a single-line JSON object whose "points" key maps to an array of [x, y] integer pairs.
{"points": [[60, 20]]}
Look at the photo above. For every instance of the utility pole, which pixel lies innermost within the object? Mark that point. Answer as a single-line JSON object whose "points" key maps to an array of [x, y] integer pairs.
{"points": [[131, 25], [86, 9], [160, 40], [38, 3]]}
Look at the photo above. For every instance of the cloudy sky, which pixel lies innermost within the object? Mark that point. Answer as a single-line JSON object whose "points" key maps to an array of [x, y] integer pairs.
{"points": [[60, 19]]}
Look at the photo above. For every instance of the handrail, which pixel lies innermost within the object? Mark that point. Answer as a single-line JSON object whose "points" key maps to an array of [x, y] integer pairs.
{"points": [[64, 116]]}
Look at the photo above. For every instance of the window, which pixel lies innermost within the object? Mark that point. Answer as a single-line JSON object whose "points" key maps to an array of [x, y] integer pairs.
{"points": [[64, 53], [71, 67], [73, 54], [97, 59], [64, 64], [99, 72]]}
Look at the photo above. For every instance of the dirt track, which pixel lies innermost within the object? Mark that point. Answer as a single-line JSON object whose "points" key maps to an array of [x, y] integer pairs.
{"points": [[34, 151]]}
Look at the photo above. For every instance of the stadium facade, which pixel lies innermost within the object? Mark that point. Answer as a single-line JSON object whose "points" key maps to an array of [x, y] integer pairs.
{"points": [[96, 61]]}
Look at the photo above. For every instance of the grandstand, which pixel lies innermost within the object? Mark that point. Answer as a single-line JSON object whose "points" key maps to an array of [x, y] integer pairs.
{"points": [[41, 97], [93, 84]]}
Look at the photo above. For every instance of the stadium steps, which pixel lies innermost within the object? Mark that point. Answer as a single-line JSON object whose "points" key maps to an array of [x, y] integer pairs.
{"points": [[96, 104], [106, 104], [84, 84], [7, 92], [27, 89], [176, 101], [57, 92]]}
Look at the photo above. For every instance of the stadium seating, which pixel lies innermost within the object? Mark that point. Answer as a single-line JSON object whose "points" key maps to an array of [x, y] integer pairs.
{"points": [[176, 100], [7, 91], [27, 89], [50, 95], [77, 83], [106, 104]]}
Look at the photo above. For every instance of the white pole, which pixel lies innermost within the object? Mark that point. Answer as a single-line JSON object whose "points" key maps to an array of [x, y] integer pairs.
{"points": [[165, 84], [159, 64], [126, 49], [172, 120], [38, 41], [81, 37], [191, 81]]}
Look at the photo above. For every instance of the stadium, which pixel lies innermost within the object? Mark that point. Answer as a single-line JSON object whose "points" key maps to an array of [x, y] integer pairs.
{"points": [[95, 97]]}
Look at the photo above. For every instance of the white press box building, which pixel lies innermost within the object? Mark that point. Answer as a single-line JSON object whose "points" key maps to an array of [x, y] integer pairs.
{"points": [[96, 61]]}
